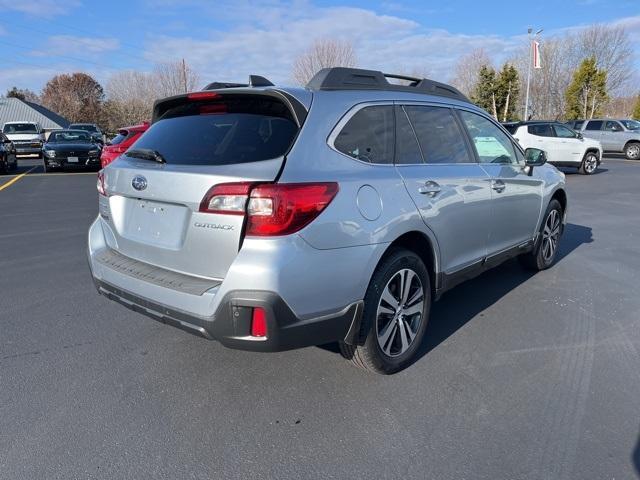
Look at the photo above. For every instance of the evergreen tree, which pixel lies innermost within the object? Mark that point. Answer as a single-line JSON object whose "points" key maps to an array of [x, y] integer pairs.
{"points": [[636, 109], [587, 92], [507, 91], [484, 93]]}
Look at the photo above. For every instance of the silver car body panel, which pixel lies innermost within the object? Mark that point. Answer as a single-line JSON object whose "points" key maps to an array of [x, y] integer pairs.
{"points": [[326, 267]]}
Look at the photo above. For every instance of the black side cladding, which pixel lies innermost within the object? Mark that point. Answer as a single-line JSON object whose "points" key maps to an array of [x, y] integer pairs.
{"points": [[342, 78]]}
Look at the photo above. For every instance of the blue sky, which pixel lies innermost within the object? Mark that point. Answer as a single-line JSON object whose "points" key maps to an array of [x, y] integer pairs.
{"points": [[227, 40]]}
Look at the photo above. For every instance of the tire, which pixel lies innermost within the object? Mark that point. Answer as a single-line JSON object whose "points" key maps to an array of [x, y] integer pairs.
{"points": [[14, 165], [45, 168], [387, 330], [541, 258], [589, 164], [632, 151]]}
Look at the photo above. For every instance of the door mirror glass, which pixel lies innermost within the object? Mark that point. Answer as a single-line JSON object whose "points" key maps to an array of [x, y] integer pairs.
{"points": [[534, 157]]}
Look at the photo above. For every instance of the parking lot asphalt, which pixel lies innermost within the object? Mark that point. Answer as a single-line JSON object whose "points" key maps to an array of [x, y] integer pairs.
{"points": [[522, 376]]}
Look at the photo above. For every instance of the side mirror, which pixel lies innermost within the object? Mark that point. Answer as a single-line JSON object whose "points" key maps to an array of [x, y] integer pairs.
{"points": [[580, 136], [534, 157]]}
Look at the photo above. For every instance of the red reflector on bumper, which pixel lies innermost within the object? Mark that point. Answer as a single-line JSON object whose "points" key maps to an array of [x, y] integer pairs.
{"points": [[259, 323]]}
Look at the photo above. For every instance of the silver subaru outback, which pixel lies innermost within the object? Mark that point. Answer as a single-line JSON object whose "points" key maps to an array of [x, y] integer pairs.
{"points": [[274, 218]]}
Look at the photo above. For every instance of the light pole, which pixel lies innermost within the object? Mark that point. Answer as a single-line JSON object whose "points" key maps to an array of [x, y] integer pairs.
{"points": [[526, 101]]}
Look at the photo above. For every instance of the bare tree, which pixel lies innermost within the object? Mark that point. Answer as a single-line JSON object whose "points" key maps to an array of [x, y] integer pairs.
{"points": [[76, 96], [130, 96], [611, 48], [465, 76], [561, 56], [323, 54], [174, 78]]}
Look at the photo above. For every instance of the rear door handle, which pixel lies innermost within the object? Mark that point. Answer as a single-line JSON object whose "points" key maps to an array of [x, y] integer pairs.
{"points": [[430, 188], [498, 185]]}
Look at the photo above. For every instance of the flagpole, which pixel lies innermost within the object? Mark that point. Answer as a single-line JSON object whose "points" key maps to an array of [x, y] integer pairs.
{"points": [[526, 102]]}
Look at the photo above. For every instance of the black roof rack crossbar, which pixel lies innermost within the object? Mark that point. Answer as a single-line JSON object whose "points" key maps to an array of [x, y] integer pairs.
{"points": [[342, 78]]}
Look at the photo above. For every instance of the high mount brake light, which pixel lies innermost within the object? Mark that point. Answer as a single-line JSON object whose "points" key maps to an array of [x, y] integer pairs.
{"points": [[202, 95], [272, 208]]}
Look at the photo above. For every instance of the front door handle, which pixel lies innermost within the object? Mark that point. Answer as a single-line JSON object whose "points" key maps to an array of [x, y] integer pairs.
{"points": [[498, 185], [430, 188]]}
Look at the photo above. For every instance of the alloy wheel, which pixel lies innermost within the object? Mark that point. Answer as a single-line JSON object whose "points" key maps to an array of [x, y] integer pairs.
{"points": [[400, 311], [550, 235], [633, 152], [590, 163]]}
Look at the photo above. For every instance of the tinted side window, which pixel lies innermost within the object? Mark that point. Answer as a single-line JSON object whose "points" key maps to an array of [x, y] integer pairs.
{"points": [[612, 126], [540, 130], [564, 132], [407, 148], [369, 135], [594, 125], [441, 139], [491, 143]]}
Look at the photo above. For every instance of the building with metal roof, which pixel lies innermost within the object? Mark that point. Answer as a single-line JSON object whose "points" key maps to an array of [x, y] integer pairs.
{"points": [[16, 110]]}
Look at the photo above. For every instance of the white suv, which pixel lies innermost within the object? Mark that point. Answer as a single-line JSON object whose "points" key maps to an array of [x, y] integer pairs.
{"points": [[564, 146]]}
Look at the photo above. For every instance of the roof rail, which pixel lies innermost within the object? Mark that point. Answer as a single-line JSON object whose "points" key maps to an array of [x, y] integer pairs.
{"points": [[254, 81], [342, 78]]}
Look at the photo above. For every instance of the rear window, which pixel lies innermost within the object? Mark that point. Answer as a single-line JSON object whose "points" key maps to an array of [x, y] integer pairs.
{"points": [[86, 128], [369, 135], [235, 129], [20, 128], [541, 130], [121, 137], [594, 125]]}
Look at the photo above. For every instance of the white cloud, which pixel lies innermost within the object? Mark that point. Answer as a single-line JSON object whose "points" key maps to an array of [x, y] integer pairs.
{"points": [[270, 47], [82, 45], [269, 34], [39, 8]]}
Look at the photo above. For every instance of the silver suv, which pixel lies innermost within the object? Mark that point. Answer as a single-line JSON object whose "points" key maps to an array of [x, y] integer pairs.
{"points": [[275, 218], [617, 136]]}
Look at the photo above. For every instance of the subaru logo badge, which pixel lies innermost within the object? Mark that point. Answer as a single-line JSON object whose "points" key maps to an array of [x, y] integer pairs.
{"points": [[139, 182]]}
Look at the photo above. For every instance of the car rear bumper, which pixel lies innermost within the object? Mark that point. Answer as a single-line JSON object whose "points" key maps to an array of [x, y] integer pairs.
{"points": [[307, 306], [231, 322]]}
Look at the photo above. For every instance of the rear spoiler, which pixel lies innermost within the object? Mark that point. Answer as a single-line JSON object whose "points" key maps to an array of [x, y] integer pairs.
{"points": [[254, 81], [298, 110]]}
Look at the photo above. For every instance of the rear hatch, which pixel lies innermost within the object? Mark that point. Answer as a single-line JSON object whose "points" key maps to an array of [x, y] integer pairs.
{"points": [[153, 203]]}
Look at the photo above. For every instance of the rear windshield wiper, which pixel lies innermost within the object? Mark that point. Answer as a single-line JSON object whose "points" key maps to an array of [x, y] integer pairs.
{"points": [[146, 154]]}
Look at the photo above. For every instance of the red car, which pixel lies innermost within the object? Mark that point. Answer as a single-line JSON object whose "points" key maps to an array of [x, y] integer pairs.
{"points": [[121, 142]]}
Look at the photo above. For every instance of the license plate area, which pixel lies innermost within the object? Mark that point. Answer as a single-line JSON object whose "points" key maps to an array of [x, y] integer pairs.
{"points": [[72, 159], [155, 223]]}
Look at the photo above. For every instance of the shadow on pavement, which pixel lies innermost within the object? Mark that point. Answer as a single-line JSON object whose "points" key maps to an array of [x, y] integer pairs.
{"points": [[466, 301], [574, 171]]}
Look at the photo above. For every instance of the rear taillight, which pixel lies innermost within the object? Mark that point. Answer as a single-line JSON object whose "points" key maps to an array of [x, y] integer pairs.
{"points": [[272, 209], [281, 209], [100, 183], [226, 198]]}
